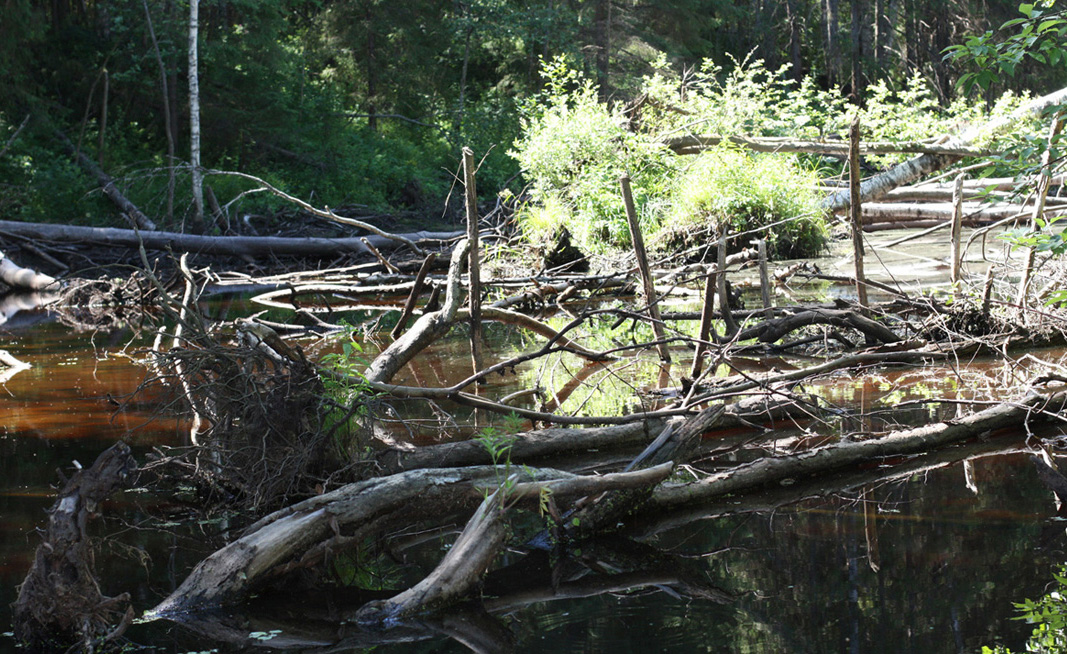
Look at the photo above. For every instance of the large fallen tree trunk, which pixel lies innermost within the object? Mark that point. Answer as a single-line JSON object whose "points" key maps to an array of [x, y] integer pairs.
{"points": [[924, 164], [698, 144], [301, 534], [251, 246], [16, 276], [973, 213], [1035, 407]]}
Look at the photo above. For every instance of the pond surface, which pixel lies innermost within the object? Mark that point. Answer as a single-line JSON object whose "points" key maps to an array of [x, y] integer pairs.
{"points": [[928, 562]]}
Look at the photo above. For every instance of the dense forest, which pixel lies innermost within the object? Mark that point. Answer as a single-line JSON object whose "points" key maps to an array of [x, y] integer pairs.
{"points": [[364, 104]]}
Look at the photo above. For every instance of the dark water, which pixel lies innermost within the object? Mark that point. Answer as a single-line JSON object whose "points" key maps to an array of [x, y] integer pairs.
{"points": [[928, 563]]}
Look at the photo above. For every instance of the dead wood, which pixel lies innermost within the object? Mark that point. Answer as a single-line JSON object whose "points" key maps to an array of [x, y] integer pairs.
{"points": [[16, 276], [770, 331], [301, 534], [60, 605], [413, 296], [974, 213], [129, 210], [1035, 407], [458, 573], [426, 329], [250, 246], [916, 167], [698, 144]]}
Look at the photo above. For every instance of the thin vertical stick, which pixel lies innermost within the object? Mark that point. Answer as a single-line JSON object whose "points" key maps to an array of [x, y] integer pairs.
{"points": [[706, 316], [855, 207], [957, 223], [102, 136], [1044, 180], [413, 296], [474, 269], [724, 295], [642, 264], [764, 278]]}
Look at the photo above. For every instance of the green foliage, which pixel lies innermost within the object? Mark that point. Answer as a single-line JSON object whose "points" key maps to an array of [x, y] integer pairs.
{"points": [[347, 393], [1039, 35], [728, 187], [575, 148], [1049, 617], [573, 151]]}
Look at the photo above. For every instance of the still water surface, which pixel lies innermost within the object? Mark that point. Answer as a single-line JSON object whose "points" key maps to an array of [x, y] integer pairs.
{"points": [[930, 563]]}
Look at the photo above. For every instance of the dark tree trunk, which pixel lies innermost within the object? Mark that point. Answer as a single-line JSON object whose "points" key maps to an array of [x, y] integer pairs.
{"points": [[371, 71], [833, 56], [794, 39], [858, 7], [602, 43]]}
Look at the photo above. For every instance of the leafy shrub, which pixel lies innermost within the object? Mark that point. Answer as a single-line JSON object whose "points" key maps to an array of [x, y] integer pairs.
{"points": [[727, 187], [573, 150]]}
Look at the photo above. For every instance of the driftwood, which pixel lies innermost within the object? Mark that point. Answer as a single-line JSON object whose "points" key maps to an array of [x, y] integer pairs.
{"points": [[251, 246], [60, 604], [916, 167], [16, 276], [770, 331], [1034, 407]]}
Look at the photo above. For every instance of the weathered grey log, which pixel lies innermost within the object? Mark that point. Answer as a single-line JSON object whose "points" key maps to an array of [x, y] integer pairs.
{"points": [[426, 329], [698, 144], [253, 246], [16, 276], [772, 330], [773, 469]]}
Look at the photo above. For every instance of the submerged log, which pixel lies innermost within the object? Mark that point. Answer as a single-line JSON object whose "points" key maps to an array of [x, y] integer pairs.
{"points": [[60, 604]]}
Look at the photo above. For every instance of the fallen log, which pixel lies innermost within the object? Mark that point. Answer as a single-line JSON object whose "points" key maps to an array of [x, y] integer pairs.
{"points": [[16, 276], [134, 215], [302, 533], [697, 144], [427, 329], [916, 167], [770, 331], [774, 469], [251, 246], [973, 213]]}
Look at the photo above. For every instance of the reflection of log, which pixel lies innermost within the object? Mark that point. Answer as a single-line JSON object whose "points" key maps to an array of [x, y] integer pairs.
{"points": [[60, 603], [253, 246]]}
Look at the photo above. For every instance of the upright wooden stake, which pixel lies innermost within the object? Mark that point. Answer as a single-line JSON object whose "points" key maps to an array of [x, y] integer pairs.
{"points": [[957, 222], [473, 268], [1044, 180], [706, 316], [642, 264], [764, 278], [855, 208], [724, 294]]}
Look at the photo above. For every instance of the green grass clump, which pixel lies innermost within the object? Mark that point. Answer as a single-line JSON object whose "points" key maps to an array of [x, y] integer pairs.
{"points": [[745, 192]]}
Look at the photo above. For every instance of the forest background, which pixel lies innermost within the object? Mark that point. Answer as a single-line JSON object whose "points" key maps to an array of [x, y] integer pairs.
{"points": [[363, 105]]}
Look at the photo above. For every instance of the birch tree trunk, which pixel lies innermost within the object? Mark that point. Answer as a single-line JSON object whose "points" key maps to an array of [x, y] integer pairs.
{"points": [[194, 111]]}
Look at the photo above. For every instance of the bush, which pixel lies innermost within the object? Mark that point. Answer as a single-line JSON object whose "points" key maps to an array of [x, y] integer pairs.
{"points": [[746, 192]]}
